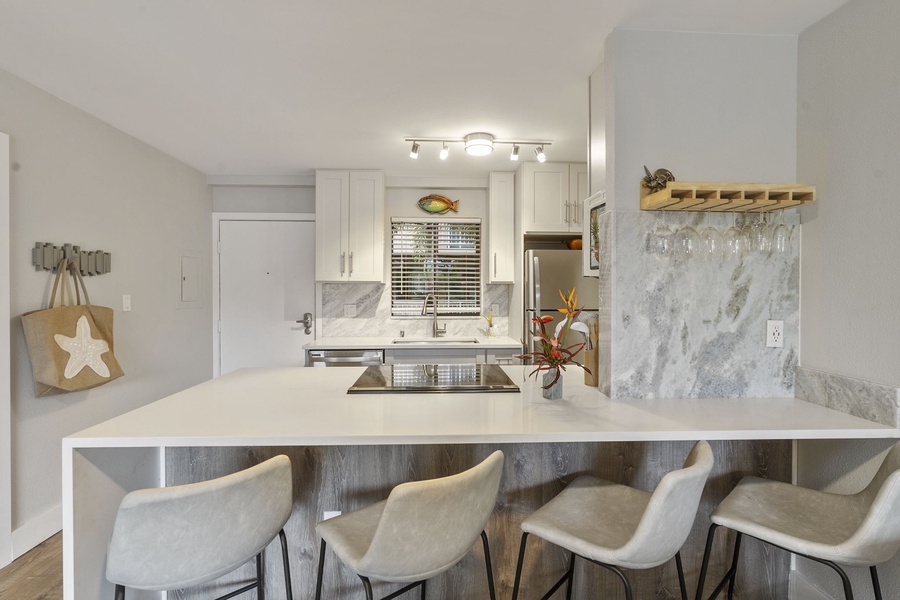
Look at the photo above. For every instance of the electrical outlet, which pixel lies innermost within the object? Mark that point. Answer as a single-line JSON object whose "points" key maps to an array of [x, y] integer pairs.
{"points": [[329, 514], [495, 308], [350, 310], [774, 334]]}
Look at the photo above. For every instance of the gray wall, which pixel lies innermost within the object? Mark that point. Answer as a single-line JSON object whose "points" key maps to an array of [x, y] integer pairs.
{"points": [[848, 120], [709, 107], [76, 179]]}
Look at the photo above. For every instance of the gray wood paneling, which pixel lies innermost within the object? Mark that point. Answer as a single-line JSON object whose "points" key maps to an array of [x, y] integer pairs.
{"points": [[350, 477]]}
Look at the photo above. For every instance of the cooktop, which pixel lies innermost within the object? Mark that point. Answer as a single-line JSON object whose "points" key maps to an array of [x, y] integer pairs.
{"points": [[419, 379]]}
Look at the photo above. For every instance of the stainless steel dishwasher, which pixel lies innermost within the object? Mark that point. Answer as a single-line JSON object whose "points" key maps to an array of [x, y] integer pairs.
{"points": [[344, 358]]}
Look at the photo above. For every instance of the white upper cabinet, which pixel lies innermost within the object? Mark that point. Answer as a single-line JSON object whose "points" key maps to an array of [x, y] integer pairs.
{"points": [[501, 233], [552, 196], [349, 225]]}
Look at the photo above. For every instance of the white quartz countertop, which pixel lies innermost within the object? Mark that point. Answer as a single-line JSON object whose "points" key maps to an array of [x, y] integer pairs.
{"points": [[376, 343], [303, 406]]}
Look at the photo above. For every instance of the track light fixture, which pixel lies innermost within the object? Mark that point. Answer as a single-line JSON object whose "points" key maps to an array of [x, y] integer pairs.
{"points": [[480, 144]]}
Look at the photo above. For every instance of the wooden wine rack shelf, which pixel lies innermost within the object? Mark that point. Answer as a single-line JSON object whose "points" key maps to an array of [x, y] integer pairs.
{"points": [[727, 197]]}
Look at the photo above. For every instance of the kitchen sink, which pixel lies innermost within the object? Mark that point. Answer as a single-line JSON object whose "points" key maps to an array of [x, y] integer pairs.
{"points": [[429, 341]]}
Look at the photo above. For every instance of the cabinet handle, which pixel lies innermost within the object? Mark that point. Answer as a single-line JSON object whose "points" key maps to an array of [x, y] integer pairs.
{"points": [[576, 220], [343, 256], [567, 213], [495, 264], [351, 265]]}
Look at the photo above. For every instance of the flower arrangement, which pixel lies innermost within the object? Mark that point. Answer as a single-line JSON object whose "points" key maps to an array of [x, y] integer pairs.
{"points": [[554, 354], [490, 319]]}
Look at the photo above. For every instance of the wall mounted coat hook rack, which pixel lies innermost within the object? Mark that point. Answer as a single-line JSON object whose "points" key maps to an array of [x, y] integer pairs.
{"points": [[45, 256]]}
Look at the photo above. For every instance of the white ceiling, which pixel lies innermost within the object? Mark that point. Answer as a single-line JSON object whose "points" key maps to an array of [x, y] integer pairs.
{"points": [[281, 87]]}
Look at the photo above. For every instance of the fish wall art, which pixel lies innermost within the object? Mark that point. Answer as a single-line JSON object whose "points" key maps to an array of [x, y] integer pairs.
{"points": [[437, 204]]}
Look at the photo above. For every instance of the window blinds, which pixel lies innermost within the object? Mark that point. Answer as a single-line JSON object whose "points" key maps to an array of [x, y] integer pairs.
{"points": [[436, 257]]}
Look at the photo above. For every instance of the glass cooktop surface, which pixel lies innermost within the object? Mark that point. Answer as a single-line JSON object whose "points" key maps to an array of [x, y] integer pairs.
{"points": [[419, 379]]}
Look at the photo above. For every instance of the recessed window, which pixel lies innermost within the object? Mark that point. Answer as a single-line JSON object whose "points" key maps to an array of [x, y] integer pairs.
{"points": [[440, 257]]}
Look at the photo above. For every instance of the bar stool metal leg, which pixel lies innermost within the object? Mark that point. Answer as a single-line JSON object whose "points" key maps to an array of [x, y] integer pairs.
{"points": [[628, 593], [734, 564], [368, 587], [705, 564], [515, 595], [875, 585], [571, 576], [487, 564], [287, 566], [260, 581], [680, 569], [321, 570], [120, 592]]}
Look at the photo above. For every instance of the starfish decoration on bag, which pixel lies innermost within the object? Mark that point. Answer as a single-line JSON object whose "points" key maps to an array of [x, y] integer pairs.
{"points": [[84, 351]]}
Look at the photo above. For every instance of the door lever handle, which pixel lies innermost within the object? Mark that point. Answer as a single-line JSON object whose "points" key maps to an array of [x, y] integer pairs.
{"points": [[307, 323]]}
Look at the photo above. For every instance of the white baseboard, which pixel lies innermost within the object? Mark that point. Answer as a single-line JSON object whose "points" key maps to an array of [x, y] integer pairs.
{"points": [[36, 531], [802, 589]]}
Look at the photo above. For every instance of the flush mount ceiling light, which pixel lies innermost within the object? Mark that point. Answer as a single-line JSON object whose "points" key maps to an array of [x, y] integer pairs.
{"points": [[479, 144]]}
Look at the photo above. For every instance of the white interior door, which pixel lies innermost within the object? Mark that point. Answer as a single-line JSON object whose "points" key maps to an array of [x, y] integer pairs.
{"points": [[266, 286]]}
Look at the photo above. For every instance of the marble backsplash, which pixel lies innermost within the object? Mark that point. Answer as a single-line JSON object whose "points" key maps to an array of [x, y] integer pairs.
{"points": [[604, 343], [696, 328], [863, 399], [373, 313]]}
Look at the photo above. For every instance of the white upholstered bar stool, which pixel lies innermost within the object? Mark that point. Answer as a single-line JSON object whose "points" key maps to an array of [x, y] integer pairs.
{"points": [[616, 526], [187, 535], [421, 530], [854, 530]]}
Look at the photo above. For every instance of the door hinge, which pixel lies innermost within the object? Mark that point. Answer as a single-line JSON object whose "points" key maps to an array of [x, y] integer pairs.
{"points": [[219, 326]]}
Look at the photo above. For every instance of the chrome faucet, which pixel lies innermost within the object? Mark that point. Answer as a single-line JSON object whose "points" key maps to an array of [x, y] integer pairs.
{"points": [[435, 330]]}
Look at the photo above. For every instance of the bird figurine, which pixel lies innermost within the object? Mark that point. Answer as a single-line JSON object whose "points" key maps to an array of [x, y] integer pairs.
{"points": [[656, 181]]}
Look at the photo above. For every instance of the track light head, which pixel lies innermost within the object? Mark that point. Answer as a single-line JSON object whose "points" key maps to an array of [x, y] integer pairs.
{"points": [[514, 155], [414, 152], [539, 152], [445, 151]]}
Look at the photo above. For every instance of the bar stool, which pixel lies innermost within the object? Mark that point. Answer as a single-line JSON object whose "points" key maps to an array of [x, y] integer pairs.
{"points": [[617, 526], [421, 530], [181, 536], [854, 530]]}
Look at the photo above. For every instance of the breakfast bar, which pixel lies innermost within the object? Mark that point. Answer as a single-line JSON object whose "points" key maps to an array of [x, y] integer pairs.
{"points": [[343, 445]]}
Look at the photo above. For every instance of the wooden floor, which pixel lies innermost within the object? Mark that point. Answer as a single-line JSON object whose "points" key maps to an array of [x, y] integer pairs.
{"points": [[36, 575]]}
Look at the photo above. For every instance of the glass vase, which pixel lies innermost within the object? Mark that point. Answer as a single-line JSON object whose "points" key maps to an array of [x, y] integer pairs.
{"points": [[554, 392]]}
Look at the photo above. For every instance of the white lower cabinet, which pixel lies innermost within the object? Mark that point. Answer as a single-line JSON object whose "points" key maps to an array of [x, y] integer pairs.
{"points": [[434, 356]]}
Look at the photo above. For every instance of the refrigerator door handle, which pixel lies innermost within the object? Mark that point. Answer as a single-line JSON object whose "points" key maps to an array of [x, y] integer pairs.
{"points": [[536, 285]]}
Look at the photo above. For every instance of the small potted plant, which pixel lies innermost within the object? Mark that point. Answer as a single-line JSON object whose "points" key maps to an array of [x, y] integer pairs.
{"points": [[553, 355]]}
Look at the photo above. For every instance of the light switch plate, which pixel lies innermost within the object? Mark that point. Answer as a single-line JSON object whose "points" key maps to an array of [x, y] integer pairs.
{"points": [[350, 310], [126, 303]]}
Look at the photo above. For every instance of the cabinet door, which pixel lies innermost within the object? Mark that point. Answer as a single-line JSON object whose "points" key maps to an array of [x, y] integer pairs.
{"points": [[332, 202], [546, 197], [578, 191], [365, 226], [501, 232]]}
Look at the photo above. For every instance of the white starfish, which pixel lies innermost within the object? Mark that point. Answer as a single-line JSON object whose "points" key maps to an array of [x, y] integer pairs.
{"points": [[84, 351]]}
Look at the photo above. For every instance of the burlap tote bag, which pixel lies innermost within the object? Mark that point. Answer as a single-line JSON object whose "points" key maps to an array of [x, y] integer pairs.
{"points": [[71, 346]]}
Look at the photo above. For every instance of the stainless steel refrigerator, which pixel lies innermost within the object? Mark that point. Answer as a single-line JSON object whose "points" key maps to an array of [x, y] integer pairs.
{"points": [[549, 272]]}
